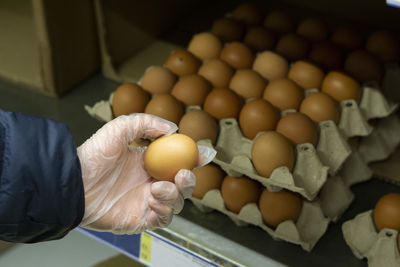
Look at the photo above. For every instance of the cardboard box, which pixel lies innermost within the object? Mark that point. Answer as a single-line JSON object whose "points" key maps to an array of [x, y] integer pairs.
{"points": [[49, 46]]}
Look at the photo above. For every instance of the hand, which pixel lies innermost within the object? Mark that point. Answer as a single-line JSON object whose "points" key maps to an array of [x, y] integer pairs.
{"points": [[120, 196]]}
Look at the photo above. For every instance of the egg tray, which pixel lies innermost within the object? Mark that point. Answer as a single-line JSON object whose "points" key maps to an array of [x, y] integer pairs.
{"points": [[379, 248], [391, 82], [336, 195], [309, 228], [311, 168]]}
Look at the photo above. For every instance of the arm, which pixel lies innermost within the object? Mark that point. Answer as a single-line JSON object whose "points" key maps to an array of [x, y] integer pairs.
{"points": [[41, 189]]}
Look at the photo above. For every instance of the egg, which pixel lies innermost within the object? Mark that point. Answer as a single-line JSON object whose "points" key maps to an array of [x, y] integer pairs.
{"points": [[239, 191], [217, 72], [191, 89], [320, 107], [247, 83], [228, 30], [284, 94], [208, 177], [129, 98], [248, 13], [341, 87], [279, 21], [257, 38], [167, 155], [256, 116], [348, 38], [306, 75], [298, 128], [387, 212], [326, 55], [223, 103], [363, 66], [271, 150], [205, 45], [199, 125], [292, 47], [314, 30], [270, 65], [158, 80], [277, 207], [182, 62], [165, 106], [237, 55], [385, 45]]}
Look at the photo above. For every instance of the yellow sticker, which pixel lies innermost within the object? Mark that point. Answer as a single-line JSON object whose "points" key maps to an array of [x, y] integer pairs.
{"points": [[145, 247]]}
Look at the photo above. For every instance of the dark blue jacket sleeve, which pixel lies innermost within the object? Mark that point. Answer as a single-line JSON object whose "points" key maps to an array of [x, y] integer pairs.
{"points": [[41, 190]]}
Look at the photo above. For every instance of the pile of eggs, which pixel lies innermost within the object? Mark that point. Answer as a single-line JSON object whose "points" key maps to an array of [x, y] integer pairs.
{"points": [[252, 67]]}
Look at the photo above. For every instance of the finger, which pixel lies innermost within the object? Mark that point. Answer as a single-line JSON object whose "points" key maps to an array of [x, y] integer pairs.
{"points": [[167, 193], [185, 181], [139, 125], [206, 155], [155, 220]]}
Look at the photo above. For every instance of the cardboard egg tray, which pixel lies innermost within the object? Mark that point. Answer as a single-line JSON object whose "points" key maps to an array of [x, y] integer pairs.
{"points": [[308, 229], [309, 173], [379, 248]]}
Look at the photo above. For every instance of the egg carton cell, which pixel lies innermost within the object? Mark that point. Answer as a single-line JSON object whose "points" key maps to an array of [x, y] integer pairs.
{"points": [[379, 248], [306, 231], [391, 82], [383, 141], [311, 168]]}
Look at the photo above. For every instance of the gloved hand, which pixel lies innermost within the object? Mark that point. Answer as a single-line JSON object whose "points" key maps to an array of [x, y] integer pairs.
{"points": [[120, 196]]}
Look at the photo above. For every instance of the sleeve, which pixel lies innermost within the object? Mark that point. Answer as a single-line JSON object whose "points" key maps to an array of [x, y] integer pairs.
{"points": [[41, 188]]}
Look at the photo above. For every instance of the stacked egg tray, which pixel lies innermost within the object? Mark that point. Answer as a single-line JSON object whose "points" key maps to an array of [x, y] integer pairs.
{"points": [[322, 175], [379, 248]]}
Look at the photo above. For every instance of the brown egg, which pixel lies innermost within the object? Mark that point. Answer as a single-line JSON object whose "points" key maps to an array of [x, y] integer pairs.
{"points": [[165, 106], [363, 66], [385, 45], [277, 207], [313, 30], [199, 125], [341, 87], [258, 38], [298, 128], [182, 62], [158, 80], [292, 47], [347, 38], [284, 94], [129, 98], [165, 156], [223, 103], [247, 83], [271, 150], [256, 116], [191, 89], [248, 13], [208, 177], [205, 45], [237, 55], [387, 212], [237, 192], [320, 107], [217, 72], [306, 75], [279, 21], [326, 55], [271, 65], [228, 30]]}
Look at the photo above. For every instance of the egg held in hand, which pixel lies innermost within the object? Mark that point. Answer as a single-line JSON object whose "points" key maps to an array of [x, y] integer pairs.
{"points": [[168, 154]]}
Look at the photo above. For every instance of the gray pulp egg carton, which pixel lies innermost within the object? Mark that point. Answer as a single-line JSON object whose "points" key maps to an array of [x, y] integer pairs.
{"points": [[308, 229], [379, 248], [391, 82], [311, 168]]}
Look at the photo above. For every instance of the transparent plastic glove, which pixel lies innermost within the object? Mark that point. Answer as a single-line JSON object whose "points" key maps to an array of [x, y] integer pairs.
{"points": [[120, 196]]}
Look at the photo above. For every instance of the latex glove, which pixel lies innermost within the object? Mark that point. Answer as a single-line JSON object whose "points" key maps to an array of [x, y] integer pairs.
{"points": [[120, 196]]}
